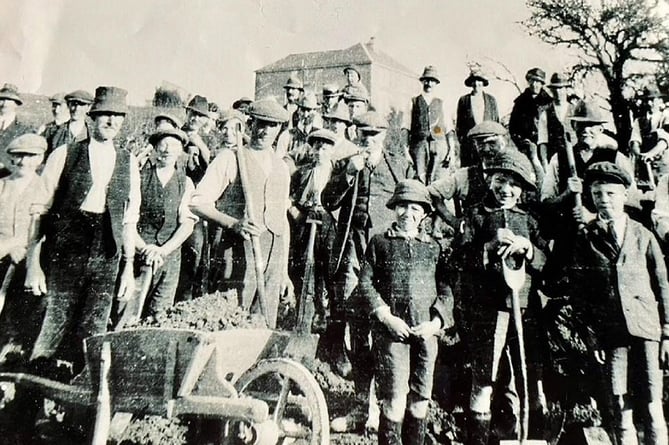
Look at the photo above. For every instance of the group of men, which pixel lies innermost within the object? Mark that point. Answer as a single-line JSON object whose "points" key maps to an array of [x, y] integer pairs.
{"points": [[267, 200]]}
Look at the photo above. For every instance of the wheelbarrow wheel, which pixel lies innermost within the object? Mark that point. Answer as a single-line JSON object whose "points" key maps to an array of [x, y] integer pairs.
{"points": [[298, 411]]}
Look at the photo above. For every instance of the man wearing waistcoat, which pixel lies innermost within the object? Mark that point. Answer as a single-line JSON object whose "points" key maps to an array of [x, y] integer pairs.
{"points": [[473, 108], [89, 194], [220, 198], [427, 129]]}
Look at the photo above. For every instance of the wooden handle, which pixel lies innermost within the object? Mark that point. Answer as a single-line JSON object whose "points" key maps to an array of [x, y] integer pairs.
{"points": [[103, 412]]}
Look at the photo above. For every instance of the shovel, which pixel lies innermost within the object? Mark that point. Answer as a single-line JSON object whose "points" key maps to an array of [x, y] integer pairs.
{"points": [[515, 280]]}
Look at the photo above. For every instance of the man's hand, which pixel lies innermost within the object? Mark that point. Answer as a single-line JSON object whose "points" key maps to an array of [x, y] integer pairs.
{"points": [[246, 229], [127, 284], [427, 329], [664, 354], [153, 256], [397, 328], [575, 185], [35, 281], [287, 292]]}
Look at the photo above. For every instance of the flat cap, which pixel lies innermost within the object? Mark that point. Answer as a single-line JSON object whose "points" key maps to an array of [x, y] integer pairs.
{"points": [[269, 110], [371, 121], [79, 96], [27, 144], [11, 92], [322, 135], [487, 128], [607, 172], [514, 162], [58, 98], [411, 190], [168, 132], [339, 113], [536, 74]]}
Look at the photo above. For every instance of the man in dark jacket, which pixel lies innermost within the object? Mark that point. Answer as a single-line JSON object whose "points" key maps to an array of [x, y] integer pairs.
{"points": [[75, 129]]}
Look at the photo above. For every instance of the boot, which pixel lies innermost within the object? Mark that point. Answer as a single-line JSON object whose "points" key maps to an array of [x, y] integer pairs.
{"points": [[413, 430], [478, 428], [390, 433], [335, 352]]}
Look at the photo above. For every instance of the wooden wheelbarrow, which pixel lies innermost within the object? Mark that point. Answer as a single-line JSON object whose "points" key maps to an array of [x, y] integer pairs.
{"points": [[238, 376]]}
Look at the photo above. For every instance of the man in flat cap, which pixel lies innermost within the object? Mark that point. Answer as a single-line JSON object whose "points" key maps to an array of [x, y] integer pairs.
{"points": [[357, 100], [308, 119], [251, 201], [294, 89], [22, 315], [338, 121], [331, 97], [473, 108], [426, 129], [527, 107], [359, 188], [649, 141], [61, 114], [85, 213], [75, 129], [10, 126]]}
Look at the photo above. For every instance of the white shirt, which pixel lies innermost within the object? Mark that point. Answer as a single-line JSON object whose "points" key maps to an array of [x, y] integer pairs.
{"points": [[102, 157], [76, 127], [619, 226], [406, 115], [478, 107], [7, 120]]}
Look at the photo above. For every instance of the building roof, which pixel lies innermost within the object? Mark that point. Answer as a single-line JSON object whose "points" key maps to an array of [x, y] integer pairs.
{"points": [[358, 54]]}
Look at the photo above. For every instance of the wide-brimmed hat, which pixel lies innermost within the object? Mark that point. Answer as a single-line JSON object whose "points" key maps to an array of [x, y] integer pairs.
{"points": [[356, 93], [352, 68], [651, 92], [514, 162], [241, 101], [110, 100], [536, 74], [322, 135], [339, 113], [308, 101], [199, 105], [29, 143], [227, 115], [58, 98], [269, 110], [81, 96], [11, 92], [177, 122], [476, 74], [411, 190], [486, 128], [331, 90], [294, 82], [587, 112], [168, 132], [371, 122], [607, 172], [559, 80], [430, 72]]}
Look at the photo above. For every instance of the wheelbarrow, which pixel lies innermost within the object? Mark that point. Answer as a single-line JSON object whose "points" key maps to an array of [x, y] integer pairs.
{"points": [[239, 377]]}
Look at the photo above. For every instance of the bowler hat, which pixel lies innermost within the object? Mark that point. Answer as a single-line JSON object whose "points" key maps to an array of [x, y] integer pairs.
{"points": [[58, 98], [487, 128], [353, 68], [536, 74], [651, 92], [476, 74], [411, 190], [110, 100], [331, 90], [80, 96], [587, 112], [323, 135], [227, 115], [199, 105], [354, 93], [241, 101], [177, 122], [269, 110], [11, 92], [430, 72], [371, 122], [514, 162], [607, 172], [340, 113], [27, 144], [308, 101], [168, 132], [559, 80], [294, 82]]}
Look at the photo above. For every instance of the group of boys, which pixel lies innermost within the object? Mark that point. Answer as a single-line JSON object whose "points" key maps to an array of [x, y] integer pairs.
{"points": [[250, 194]]}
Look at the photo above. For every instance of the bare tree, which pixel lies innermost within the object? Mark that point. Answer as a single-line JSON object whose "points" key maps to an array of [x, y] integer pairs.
{"points": [[620, 39]]}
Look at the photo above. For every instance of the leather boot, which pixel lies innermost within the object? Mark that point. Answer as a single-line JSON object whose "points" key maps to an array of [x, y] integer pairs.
{"points": [[390, 433], [478, 428], [335, 351], [413, 430]]}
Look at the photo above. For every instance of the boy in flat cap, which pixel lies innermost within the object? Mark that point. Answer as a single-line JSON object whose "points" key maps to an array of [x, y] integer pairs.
{"points": [[221, 198], [75, 129], [409, 304], [473, 108], [165, 221], [620, 287], [495, 230], [90, 194], [427, 129], [22, 314]]}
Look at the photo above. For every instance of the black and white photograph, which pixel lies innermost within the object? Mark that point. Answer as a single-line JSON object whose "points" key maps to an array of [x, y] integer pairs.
{"points": [[314, 222]]}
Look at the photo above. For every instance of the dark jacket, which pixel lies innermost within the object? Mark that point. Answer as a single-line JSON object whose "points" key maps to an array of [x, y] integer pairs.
{"points": [[14, 130], [465, 118], [525, 115], [63, 136]]}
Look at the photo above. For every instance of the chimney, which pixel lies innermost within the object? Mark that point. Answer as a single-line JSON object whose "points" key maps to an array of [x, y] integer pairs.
{"points": [[370, 44]]}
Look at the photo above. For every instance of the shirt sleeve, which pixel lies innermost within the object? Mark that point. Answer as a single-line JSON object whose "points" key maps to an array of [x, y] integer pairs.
{"points": [[184, 211], [220, 174], [45, 184], [131, 215]]}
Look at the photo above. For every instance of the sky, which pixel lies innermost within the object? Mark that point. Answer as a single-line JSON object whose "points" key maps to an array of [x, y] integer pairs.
{"points": [[213, 47]]}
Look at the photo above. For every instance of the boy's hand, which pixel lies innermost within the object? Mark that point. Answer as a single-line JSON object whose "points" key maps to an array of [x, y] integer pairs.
{"points": [[427, 329], [510, 244], [575, 185], [395, 325], [664, 354]]}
